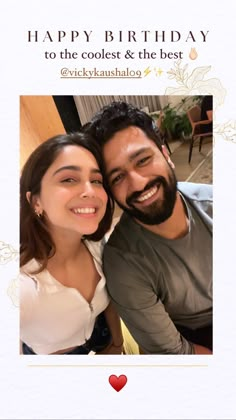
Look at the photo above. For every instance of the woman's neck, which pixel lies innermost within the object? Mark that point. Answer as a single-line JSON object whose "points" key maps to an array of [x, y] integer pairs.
{"points": [[68, 246]]}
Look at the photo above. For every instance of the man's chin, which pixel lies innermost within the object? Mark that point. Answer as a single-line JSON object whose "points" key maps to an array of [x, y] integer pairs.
{"points": [[153, 214], [152, 218], [157, 212]]}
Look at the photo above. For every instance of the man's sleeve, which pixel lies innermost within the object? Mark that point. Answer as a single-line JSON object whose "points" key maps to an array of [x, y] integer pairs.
{"points": [[131, 285]]}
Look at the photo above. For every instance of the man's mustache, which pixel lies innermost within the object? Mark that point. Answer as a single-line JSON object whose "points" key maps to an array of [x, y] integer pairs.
{"points": [[136, 194]]}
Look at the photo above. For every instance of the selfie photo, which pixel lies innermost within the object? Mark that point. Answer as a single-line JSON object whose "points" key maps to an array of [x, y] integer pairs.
{"points": [[116, 225]]}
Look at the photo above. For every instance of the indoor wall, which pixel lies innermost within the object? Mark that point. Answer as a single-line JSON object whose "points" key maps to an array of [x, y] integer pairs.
{"points": [[39, 120]]}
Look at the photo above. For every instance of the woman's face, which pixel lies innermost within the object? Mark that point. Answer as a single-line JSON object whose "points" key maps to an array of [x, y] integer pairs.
{"points": [[72, 196]]}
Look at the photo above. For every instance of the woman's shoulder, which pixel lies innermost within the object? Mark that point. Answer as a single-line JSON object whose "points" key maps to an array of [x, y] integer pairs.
{"points": [[32, 279], [29, 268]]}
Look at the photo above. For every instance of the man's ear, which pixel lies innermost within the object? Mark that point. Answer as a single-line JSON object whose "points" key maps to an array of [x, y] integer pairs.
{"points": [[167, 157]]}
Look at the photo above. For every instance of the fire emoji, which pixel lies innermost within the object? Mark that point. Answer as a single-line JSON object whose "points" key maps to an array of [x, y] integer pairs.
{"points": [[193, 54]]}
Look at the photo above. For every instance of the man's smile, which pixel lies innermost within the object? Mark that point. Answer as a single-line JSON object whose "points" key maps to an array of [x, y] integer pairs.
{"points": [[147, 194]]}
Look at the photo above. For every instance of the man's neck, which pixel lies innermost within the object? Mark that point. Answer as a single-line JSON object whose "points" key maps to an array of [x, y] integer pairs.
{"points": [[176, 226]]}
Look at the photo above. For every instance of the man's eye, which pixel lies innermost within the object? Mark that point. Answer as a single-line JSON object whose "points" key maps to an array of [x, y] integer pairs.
{"points": [[144, 160], [118, 178]]}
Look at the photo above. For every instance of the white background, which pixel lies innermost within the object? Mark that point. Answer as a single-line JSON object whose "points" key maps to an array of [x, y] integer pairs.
{"points": [[160, 387]]}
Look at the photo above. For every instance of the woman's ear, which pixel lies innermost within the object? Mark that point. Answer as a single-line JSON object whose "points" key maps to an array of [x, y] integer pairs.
{"points": [[34, 201], [167, 157], [28, 196]]}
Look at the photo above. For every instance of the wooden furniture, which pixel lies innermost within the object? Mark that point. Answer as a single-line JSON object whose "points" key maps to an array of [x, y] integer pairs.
{"points": [[200, 128], [210, 115], [162, 131]]}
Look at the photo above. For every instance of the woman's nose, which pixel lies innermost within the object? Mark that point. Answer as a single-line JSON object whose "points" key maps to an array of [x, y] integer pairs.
{"points": [[87, 190]]}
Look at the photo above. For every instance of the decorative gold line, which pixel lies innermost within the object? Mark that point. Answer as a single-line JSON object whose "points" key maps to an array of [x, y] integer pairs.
{"points": [[120, 366]]}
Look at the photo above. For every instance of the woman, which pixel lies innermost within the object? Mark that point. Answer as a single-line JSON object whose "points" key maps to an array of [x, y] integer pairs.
{"points": [[64, 213]]}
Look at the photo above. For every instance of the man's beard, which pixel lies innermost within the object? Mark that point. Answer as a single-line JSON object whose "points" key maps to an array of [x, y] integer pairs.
{"points": [[160, 210]]}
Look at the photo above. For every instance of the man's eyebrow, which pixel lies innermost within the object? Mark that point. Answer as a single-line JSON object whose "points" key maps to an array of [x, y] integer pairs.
{"points": [[131, 157], [75, 168], [137, 153]]}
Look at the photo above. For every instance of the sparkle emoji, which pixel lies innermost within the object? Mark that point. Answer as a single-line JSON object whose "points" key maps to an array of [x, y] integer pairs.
{"points": [[158, 71]]}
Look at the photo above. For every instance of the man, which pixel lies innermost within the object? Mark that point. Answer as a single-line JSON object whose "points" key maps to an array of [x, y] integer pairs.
{"points": [[158, 259]]}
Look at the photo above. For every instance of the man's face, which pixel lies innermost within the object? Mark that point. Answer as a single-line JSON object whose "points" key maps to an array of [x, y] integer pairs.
{"points": [[142, 182]]}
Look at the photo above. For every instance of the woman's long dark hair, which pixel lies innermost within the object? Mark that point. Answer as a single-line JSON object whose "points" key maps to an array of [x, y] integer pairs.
{"points": [[35, 239]]}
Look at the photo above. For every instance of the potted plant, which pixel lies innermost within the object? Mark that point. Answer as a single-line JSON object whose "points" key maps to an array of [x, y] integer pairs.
{"points": [[186, 128], [175, 119], [171, 122]]}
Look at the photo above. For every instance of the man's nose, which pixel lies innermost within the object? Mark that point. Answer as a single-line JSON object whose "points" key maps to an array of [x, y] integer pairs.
{"points": [[137, 182], [87, 190]]}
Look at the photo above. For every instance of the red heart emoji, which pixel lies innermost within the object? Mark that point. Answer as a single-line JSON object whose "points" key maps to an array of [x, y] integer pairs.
{"points": [[118, 382]]}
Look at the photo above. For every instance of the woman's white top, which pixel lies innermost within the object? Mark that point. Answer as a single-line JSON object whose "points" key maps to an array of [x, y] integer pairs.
{"points": [[55, 317]]}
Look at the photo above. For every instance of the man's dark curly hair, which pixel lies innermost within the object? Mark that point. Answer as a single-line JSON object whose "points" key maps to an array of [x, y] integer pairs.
{"points": [[118, 116]]}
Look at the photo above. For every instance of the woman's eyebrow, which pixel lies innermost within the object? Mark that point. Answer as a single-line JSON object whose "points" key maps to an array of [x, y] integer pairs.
{"points": [[75, 168]]}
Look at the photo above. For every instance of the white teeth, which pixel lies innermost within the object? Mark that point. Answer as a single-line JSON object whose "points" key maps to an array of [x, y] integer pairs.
{"points": [[148, 195], [85, 210]]}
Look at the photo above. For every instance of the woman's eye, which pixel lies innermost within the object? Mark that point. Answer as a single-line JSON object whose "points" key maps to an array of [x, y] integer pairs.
{"points": [[69, 180], [97, 181]]}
